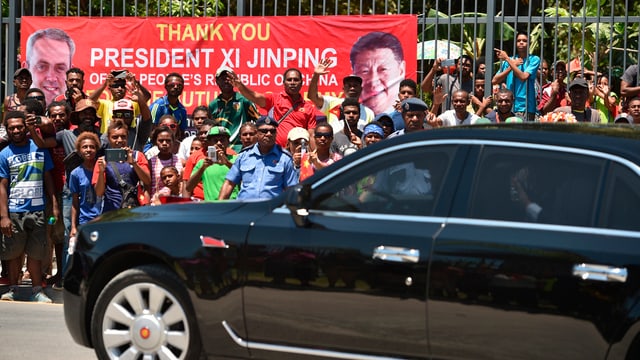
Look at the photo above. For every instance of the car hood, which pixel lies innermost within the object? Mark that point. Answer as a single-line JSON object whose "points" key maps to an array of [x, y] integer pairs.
{"points": [[186, 212]]}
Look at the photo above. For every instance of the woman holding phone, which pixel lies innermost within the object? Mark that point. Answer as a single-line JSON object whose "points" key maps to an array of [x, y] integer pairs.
{"points": [[117, 177]]}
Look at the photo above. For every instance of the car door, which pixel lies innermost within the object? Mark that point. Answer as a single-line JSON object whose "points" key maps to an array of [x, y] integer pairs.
{"points": [[352, 281], [521, 270]]}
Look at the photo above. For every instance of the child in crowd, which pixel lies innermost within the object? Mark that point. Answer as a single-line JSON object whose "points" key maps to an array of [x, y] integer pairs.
{"points": [[196, 145], [85, 204], [172, 184], [248, 134]]}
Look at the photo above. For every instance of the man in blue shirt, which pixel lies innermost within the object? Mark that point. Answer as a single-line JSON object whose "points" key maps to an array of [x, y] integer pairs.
{"points": [[25, 185], [263, 170], [518, 73], [170, 104]]}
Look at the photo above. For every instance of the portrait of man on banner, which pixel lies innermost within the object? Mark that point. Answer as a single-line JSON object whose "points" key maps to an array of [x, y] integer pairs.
{"points": [[378, 58], [48, 57]]}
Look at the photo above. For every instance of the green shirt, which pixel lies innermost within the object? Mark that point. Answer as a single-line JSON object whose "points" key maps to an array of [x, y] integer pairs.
{"points": [[232, 114], [213, 178]]}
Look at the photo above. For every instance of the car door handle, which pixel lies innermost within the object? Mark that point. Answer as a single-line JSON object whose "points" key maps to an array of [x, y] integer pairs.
{"points": [[396, 254], [600, 272]]}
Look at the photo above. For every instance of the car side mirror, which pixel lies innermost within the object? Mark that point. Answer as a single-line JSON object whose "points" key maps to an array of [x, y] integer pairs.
{"points": [[298, 200]]}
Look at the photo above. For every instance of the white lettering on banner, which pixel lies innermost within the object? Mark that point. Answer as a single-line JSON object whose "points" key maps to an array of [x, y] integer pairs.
{"points": [[209, 79], [154, 58], [289, 57], [255, 79], [227, 58]]}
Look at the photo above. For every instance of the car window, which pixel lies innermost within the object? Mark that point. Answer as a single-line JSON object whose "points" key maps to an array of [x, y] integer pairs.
{"points": [[521, 184], [622, 204], [405, 182]]}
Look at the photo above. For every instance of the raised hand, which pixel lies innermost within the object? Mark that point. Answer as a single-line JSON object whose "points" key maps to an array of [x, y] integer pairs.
{"points": [[323, 67]]}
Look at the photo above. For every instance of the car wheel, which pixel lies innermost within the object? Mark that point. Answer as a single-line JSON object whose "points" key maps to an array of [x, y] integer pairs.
{"points": [[144, 312]]}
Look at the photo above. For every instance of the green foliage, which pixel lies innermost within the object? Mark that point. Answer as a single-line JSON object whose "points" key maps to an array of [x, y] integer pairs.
{"points": [[473, 35], [591, 42]]}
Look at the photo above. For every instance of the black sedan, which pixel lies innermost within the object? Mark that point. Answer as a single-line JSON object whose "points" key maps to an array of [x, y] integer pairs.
{"points": [[484, 242]]}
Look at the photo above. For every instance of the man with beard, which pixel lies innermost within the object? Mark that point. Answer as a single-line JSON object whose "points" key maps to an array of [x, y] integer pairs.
{"points": [[230, 109], [170, 103], [288, 108], [75, 85], [504, 108], [330, 105], [25, 186]]}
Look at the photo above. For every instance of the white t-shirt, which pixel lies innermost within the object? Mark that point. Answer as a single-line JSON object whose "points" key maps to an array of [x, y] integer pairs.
{"points": [[449, 118]]}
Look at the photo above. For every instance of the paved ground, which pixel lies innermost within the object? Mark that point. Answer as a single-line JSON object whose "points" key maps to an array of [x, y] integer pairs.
{"points": [[32, 331]]}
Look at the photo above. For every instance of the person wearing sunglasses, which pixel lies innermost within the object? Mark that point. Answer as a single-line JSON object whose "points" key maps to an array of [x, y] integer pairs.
{"points": [[170, 103], [124, 110], [264, 170], [123, 85], [323, 156], [38, 95]]}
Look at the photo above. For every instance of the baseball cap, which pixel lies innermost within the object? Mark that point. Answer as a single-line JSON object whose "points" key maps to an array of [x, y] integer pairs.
{"points": [[80, 106], [352, 77], [374, 128], [578, 82], [123, 105], [218, 130], [298, 133], [20, 71], [222, 69]]}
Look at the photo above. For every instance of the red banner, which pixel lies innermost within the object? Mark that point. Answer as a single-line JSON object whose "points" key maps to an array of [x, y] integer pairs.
{"points": [[260, 49]]}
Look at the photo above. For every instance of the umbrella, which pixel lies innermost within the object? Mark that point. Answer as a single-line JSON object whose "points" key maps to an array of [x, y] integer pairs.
{"points": [[445, 49]]}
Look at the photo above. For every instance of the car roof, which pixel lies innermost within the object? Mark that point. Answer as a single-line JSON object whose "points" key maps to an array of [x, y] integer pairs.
{"points": [[623, 141], [620, 140]]}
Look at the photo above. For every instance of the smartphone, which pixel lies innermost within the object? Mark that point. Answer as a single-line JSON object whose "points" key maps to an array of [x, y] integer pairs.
{"points": [[38, 120], [448, 62], [119, 155], [212, 153]]}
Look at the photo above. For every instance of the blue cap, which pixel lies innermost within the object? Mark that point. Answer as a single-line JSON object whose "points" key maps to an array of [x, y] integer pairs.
{"points": [[413, 104], [373, 128], [266, 120]]}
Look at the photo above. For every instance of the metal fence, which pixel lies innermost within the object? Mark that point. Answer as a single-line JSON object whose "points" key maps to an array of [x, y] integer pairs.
{"points": [[599, 35]]}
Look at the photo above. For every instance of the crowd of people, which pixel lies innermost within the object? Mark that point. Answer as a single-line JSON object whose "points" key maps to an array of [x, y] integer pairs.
{"points": [[66, 161]]}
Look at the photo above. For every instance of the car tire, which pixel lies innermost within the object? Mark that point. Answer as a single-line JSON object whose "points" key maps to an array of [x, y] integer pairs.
{"points": [[145, 311]]}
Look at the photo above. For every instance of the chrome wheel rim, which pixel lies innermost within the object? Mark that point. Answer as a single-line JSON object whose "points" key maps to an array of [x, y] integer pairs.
{"points": [[144, 320]]}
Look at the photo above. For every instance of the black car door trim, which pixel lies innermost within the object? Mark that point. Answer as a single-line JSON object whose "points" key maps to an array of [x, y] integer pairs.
{"points": [[298, 350]]}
